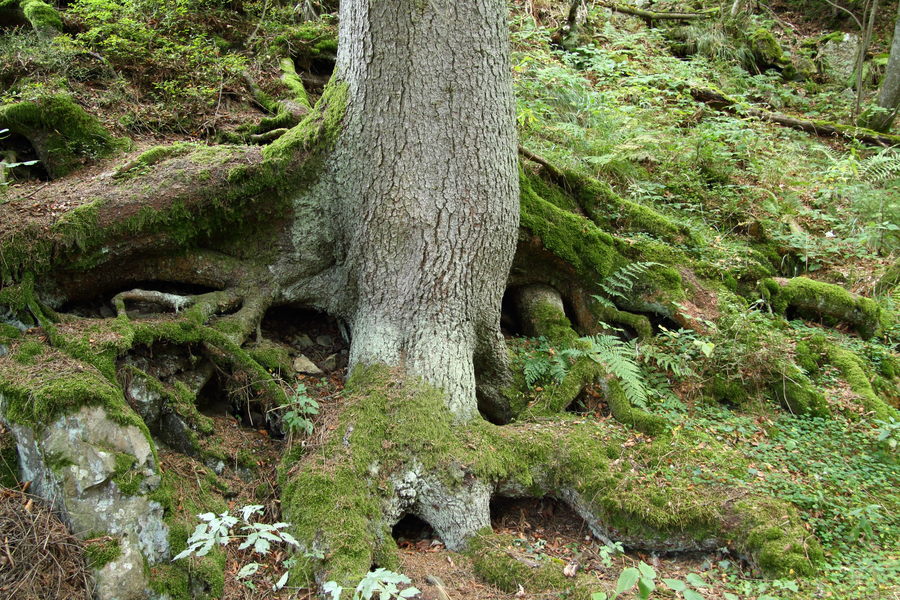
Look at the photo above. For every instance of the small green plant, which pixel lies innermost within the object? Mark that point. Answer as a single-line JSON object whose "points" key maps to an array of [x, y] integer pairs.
{"points": [[548, 364], [386, 584], [889, 433], [688, 589], [297, 412], [607, 551], [217, 530], [619, 283], [644, 577]]}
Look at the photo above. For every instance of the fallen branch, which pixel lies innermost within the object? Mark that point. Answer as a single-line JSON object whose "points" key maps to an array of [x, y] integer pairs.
{"points": [[720, 101], [649, 15]]}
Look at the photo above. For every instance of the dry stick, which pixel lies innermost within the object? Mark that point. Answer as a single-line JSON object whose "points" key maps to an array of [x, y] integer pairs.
{"points": [[555, 174], [258, 24]]}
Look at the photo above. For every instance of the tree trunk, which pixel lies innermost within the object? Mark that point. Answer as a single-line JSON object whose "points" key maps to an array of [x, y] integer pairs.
{"points": [[427, 187], [889, 95]]}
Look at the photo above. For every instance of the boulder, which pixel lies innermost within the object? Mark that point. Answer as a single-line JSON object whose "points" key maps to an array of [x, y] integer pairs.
{"points": [[98, 473]]}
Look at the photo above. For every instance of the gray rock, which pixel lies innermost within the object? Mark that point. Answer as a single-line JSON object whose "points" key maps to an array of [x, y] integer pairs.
{"points": [[166, 425], [72, 463], [325, 340], [303, 341], [838, 57], [306, 366]]}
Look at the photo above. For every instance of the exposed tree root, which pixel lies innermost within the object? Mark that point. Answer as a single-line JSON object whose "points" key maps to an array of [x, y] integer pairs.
{"points": [[395, 452], [830, 303]]}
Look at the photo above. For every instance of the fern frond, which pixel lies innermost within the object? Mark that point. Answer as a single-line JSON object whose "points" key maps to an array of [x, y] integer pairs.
{"points": [[619, 359], [881, 167], [619, 283]]}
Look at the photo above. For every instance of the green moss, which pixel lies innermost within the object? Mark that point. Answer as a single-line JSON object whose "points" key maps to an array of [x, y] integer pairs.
{"points": [[57, 461], [772, 533], [766, 48], [9, 464], [270, 355], [725, 390], [27, 352], [318, 131], [853, 371], [576, 240], [625, 412], [126, 478], [830, 303], [556, 398], [639, 323], [42, 16], [102, 550], [55, 385], [153, 156], [551, 323], [246, 460], [63, 134], [293, 82], [494, 560], [798, 394]]}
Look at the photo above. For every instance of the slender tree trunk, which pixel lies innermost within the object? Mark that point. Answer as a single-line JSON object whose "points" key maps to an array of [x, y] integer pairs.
{"points": [[426, 185], [865, 40], [889, 96]]}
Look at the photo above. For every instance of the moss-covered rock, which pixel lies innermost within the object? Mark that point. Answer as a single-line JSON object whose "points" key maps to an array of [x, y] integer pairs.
{"points": [[766, 49], [62, 133]]}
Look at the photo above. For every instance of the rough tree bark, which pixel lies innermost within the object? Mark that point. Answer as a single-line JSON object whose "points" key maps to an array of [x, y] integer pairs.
{"points": [[889, 95], [429, 209]]}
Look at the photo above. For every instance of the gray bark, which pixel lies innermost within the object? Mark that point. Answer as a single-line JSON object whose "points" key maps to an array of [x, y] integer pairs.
{"points": [[426, 184], [889, 96]]}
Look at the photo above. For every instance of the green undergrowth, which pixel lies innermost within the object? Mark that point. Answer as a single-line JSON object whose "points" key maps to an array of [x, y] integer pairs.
{"points": [[842, 480], [183, 498]]}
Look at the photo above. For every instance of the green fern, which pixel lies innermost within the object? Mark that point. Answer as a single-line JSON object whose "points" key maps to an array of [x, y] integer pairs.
{"points": [[619, 359], [548, 365], [881, 167], [620, 282]]}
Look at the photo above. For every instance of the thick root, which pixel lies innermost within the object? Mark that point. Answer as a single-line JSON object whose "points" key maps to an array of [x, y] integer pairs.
{"points": [[830, 303], [396, 452]]}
